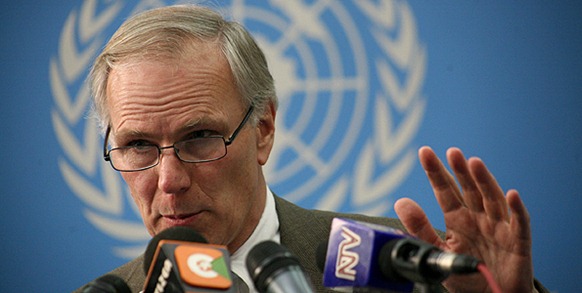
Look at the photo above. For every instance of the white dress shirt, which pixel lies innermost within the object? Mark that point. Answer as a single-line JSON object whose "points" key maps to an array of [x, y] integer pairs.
{"points": [[267, 229]]}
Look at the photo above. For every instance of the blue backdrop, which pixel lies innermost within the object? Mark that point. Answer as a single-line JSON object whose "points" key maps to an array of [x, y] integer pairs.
{"points": [[362, 84]]}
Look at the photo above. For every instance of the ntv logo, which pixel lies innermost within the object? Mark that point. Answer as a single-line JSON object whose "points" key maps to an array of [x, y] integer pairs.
{"points": [[348, 74], [347, 260]]}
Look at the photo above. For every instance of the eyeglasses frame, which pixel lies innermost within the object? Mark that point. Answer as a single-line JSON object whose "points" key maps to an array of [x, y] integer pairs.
{"points": [[227, 141]]}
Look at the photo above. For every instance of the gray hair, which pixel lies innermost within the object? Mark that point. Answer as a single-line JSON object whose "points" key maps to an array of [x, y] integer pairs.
{"points": [[165, 34]]}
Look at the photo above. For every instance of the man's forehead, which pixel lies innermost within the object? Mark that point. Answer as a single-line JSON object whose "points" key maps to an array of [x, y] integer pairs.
{"points": [[219, 121]]}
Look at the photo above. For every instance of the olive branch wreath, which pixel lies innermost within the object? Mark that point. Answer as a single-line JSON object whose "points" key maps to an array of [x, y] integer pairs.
{"points": [[79, 164], [389, 146]]}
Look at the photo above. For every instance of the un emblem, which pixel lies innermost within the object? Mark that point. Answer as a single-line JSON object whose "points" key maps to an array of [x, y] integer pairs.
{"points": [[349, 77]]}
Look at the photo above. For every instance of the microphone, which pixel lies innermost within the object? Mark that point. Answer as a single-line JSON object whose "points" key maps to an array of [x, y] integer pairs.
{"points": [[107, 284], [420, 262], [179, 259], [364, 255], [274, 269]]}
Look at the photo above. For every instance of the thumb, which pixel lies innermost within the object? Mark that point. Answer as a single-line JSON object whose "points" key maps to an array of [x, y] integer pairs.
{"points": [[415, 221]]}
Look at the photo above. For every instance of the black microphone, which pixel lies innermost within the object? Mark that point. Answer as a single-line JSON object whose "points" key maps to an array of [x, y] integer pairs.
{"points": [[107, 284], [274, 269], [179, 259], [363, 255], [418, 261]]}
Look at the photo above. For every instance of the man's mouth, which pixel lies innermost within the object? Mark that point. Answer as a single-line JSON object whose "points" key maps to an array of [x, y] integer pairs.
{"points": [[181, 219]]}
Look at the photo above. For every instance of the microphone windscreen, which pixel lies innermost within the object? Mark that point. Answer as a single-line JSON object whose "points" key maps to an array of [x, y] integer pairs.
{"points": [[107, 284], [265, 259], [177, 233]]}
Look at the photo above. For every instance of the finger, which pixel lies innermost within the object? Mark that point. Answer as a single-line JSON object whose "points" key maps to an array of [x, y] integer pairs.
{"points": [[492, 194], [443, 183], [415, 221], [520, 220], [471, 194]]}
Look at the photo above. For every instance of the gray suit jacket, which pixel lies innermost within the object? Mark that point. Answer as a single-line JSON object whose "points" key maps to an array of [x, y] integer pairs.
{"points": [[301, 231]]}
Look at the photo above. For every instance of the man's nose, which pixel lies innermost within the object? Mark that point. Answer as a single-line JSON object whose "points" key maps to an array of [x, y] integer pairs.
{"points": [[173, 176]]}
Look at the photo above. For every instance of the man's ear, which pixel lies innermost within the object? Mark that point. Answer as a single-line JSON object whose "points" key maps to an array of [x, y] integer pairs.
{"points": [[266, 134]]}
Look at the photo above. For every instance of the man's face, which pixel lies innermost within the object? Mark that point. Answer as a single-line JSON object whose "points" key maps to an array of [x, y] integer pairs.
{"points": [[164, 102]]}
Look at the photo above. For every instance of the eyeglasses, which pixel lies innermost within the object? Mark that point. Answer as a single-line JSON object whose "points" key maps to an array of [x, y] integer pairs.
{"points": [[195, 150]]}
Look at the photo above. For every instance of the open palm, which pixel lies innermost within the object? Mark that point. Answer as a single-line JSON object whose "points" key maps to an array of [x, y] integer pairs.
{"points": [[480, 221]]}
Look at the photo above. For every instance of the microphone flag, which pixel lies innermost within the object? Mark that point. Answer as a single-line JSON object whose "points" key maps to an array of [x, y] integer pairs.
{"points": [[352, 256], [195, 267]]}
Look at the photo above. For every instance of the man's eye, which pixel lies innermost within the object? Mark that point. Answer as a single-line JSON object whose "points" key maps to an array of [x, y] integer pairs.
{"points": [[138, 143], [201, 134]]}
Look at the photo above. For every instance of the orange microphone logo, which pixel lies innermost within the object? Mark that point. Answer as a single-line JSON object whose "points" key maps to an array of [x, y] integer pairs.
{"points": [[203, 267]]}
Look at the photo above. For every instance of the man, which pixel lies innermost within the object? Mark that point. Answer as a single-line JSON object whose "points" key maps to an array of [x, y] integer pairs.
{"points": [[188, 107]]}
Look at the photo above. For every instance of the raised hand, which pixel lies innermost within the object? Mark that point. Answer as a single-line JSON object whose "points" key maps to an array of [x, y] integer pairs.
{"points": [[480, 221]]}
